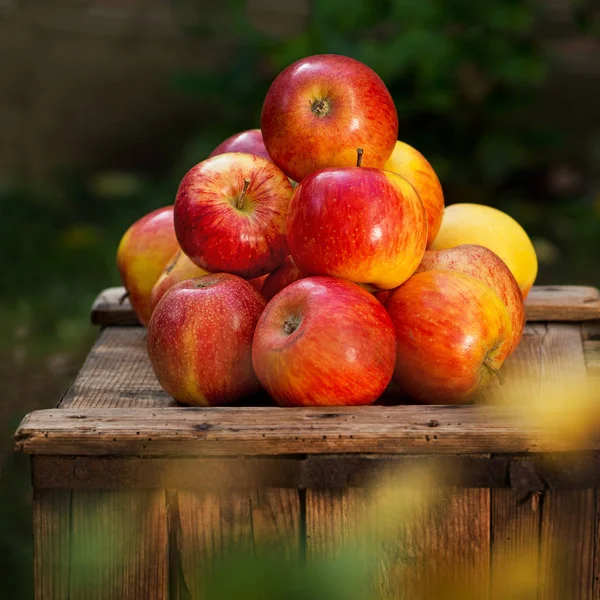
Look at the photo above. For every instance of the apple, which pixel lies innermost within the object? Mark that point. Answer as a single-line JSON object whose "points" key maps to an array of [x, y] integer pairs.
{"points": [[200, 339], [453, 334], [142, 255], [494, 229], [324, 341], [179, 268], [250, 141], [413, 166], [361, 224], [481, 263], [230, 214], [286, 274], [258, 282], [320, 109]]}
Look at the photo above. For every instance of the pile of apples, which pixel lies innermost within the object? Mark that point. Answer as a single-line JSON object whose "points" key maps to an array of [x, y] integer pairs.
{"points": [[314, 258]]}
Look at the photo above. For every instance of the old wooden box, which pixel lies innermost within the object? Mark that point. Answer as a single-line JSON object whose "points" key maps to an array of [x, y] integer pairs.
{"points": [[135, 497]]}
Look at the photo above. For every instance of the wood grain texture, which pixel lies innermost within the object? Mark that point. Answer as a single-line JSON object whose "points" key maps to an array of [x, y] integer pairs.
{"points": [[567, 545], [111, 307], [267, 431], [119, 545], [515, 528], [215, 528], [415, 549], [544, 303], [596, 573], [117, 374], [51, 543], [562, 303]]}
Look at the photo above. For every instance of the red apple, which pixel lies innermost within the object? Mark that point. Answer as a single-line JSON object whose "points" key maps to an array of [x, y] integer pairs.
{"points": [[230, 214], [413, 166], [286, 274], [250, 141], [320, 109], [453, 334], [364, 225], [481, 263], [257, 282], [200, 339], [179, 268], [323, 341], [143, 252]]}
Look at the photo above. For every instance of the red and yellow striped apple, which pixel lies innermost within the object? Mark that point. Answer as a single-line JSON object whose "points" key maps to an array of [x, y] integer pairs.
{"points": [[365, 225], [323, 341], [143, 252], [250, 142], [286, 274], [481, 263], [230, 214], [453, 334], [179, 268], [200, 339], [320, 109], [413, 166]]}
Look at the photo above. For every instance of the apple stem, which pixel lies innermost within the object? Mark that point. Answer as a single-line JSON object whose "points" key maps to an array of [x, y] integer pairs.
{"points": [[240, 200], [359, 157], [495, 372], [123, 298]]}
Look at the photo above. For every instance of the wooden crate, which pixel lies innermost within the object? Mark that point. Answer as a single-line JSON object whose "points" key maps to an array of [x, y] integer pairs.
{"points": [[138, 498]]}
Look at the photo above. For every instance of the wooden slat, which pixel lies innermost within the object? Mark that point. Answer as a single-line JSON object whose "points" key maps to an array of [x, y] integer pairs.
{"points": [[567, 546], [51, 543], [419, 550], [111, 307], [119, 545], [515, 528], [117, 374], [267, 431], [544, 303], [562, 359], [524, 474], [562, 303], [214, 528]]}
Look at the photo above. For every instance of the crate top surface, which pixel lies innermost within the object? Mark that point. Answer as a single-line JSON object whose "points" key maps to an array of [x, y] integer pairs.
{"points": [[116, 407]]}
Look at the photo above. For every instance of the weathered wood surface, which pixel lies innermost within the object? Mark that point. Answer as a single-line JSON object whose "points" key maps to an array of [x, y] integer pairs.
{"points": [[51, 543], [515, 527], [524, 474], [269, 431], [117, 372], [409, 546], [544, 303], [209, 529], [567, 545], [119, 545], [100, 545]]}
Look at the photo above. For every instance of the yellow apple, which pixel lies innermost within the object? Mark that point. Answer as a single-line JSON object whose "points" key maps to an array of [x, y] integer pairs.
{"points": [[490, 227], [415, 168]]}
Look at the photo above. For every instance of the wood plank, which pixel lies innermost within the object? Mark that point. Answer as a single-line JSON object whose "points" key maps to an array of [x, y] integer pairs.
{"points": [[563, 360], [268, 431], [119, 545], [415, 548], [515, 528], [567, 545], [117, 374], [562, 303], [543, 303], [522, 371], [51, 543], [111, 307], [215, 528]]}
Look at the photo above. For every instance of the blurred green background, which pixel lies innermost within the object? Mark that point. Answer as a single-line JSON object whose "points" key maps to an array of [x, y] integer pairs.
{"points": [[105, 104]]}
